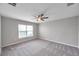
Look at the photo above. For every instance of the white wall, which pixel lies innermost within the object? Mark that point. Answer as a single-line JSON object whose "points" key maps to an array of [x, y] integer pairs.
{"points": [[10, 31], [78, 31], [0, 35], [61, 31]]}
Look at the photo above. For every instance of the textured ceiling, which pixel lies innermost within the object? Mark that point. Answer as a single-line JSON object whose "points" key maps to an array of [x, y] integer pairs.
{"points": [[27, 11]]}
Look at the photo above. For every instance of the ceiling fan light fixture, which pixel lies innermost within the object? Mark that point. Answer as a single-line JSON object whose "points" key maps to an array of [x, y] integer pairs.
{"points": [[39, 20]]}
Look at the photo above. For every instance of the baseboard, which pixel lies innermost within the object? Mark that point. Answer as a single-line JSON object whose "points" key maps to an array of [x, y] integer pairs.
{"points": [[14, 43], [41, 39], [61, 43]]}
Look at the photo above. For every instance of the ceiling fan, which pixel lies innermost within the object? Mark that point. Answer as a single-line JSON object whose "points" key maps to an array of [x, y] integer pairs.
{"points": [[41, 17]]}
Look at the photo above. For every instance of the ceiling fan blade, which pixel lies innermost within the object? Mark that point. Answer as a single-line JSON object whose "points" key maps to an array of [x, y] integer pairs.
{"points": [[42, 15], [45, 17]]}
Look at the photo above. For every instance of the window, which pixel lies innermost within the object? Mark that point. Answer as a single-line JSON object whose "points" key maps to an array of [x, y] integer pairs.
{"points": [[25, 30], [22, 31], [29, 30]]}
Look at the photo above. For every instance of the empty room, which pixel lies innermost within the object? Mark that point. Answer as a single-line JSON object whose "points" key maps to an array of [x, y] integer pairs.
{"points": [[39, 29]]}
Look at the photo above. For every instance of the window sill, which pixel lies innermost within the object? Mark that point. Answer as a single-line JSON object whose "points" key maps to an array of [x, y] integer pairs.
{"points": [[26, 37]]}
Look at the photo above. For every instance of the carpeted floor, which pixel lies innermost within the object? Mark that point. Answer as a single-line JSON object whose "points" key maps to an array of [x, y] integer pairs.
{"points": [[40, 48]]}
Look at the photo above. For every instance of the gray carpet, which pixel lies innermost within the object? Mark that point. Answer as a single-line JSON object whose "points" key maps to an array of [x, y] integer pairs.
{"points": [[40, 48]]}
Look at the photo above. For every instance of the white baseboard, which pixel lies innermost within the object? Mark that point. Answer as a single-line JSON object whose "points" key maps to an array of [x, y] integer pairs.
{"points": [[62, 43], [41, 39], [17, 42]]}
